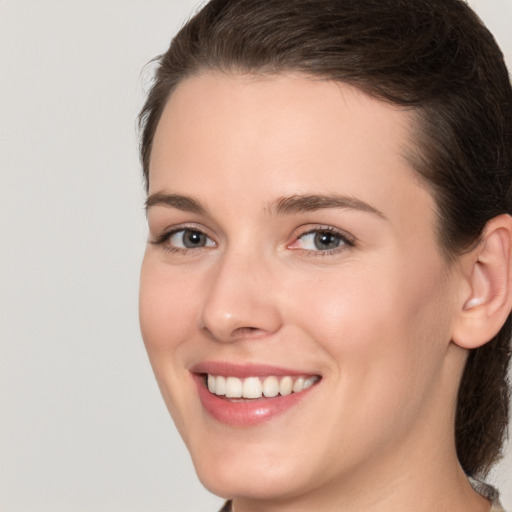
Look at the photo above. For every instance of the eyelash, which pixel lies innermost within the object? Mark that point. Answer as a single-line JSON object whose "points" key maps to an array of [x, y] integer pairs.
{"points": [[346, 240], [163, 239]]}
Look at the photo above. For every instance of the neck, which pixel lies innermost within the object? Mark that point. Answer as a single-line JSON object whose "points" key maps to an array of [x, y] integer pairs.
{"points": [[446, 490]]}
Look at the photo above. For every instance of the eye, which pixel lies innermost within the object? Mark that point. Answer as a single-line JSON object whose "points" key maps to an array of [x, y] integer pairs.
{"points": [[321, 240], [189, 239]]}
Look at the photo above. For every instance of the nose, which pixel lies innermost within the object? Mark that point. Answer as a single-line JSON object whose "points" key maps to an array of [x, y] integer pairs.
{"points": [[241, 301]]}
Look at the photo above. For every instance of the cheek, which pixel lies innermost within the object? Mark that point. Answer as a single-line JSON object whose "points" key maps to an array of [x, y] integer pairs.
{"points": [[385, 334], [391, 298], [166, 321], [382, 325], [165, 306]]}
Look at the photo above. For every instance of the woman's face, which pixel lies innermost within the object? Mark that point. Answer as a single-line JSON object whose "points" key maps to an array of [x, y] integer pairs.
{"points": [[292, 245]]}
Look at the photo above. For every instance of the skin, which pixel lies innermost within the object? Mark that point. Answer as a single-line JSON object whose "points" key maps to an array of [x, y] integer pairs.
{"points": [[374, 317]]}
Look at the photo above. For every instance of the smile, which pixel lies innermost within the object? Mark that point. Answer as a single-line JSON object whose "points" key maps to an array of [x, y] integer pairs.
{"points": [[249, 395], [255, 387]]}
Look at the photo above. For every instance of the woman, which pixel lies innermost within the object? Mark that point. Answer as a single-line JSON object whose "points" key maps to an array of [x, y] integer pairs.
{"points": [[326, 291]]}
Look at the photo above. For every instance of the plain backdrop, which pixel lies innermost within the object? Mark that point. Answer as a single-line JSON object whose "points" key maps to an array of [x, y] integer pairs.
{"points": [[82, 425]]}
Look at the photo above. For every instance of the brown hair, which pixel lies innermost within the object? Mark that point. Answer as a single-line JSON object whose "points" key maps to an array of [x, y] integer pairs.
{"points": [[432, 56]]}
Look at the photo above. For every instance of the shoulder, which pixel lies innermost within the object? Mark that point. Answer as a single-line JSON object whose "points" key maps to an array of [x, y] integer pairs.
{"points": [[227, 507], [488, 492]]}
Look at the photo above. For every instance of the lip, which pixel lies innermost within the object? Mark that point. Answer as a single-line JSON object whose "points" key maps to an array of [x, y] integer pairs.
{"points": [[243, 412], [243, 371]]}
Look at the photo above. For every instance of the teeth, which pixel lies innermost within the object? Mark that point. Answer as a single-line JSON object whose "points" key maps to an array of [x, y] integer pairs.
{"points": [[255, 387], [220, 385], [271, 387], [233, 387], [298, 385], [309, 382], [211, 383], [252, 388], [286, 386]]}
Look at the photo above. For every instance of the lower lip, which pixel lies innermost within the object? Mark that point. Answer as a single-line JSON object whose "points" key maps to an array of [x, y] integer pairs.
{"points": [[246, 413]]}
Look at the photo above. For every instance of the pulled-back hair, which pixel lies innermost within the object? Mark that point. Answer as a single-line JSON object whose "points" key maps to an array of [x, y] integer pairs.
{"points": [[434, 57]]}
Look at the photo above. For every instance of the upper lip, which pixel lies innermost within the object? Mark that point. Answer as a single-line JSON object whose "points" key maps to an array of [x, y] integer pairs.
{"points": [[246, 370]]}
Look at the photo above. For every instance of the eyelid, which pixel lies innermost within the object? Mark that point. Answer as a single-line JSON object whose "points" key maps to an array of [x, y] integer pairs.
{"points": [[163, 237], [347, 239]]}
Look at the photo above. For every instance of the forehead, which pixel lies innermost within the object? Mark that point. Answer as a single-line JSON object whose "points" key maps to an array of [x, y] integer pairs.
{"points": [[272, 111], [264, 136]]}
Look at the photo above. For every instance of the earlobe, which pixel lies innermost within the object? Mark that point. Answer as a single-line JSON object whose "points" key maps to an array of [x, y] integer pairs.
{"points": [[487, 298]]}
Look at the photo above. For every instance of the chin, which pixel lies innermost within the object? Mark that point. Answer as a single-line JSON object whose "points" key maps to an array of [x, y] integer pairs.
{"points": [[258, 485], [243, 475]]}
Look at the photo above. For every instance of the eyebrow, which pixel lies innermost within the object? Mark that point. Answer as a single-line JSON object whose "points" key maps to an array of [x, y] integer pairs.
{"points": [[287, 205], [312, 202], [180, 202]]}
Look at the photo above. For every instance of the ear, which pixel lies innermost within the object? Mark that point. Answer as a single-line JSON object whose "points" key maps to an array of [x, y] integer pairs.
{"points": [[486, 298]]}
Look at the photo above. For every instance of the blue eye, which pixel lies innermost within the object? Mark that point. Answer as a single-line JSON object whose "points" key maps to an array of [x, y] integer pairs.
{"points": [[189, 239], [321, 240]]}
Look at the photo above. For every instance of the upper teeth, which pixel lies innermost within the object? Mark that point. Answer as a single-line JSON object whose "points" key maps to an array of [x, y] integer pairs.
{"points": [[255, 387]]}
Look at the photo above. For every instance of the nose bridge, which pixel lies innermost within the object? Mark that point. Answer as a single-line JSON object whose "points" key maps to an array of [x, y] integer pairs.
{"points": [[239, 300]]}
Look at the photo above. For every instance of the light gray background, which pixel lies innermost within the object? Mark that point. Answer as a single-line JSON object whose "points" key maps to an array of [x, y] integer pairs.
{"points": [[82, 426]]}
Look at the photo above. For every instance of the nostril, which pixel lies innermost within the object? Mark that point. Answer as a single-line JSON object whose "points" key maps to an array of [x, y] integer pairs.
{"points": [[237, 334], [225, 316], [247, 332]]}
